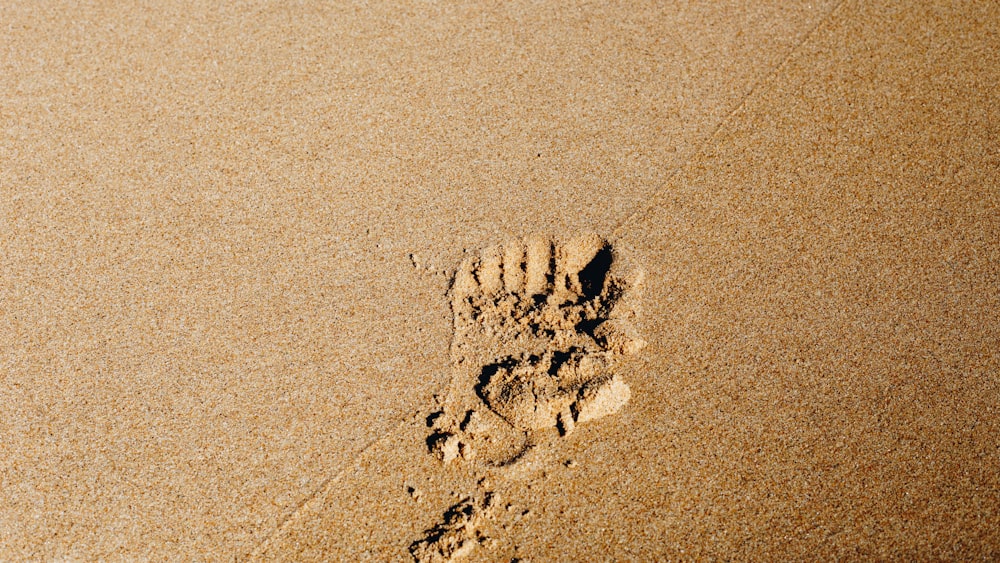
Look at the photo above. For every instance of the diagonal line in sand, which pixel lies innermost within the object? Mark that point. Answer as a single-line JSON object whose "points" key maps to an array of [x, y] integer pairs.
{"points": [[711, 139], [327, 485]]}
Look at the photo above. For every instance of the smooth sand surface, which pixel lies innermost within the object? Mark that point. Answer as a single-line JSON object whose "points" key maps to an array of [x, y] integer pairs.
{"points": [[227, 238]]}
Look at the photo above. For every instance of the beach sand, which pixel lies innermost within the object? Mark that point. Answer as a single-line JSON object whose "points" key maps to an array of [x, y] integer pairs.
{"points": [[256, 275]]}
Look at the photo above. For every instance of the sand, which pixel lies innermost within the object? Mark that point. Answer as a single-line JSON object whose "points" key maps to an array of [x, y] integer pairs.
{"points": [[231, 240]]}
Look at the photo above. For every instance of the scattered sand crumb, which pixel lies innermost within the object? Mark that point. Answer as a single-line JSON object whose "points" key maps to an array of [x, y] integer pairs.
{"points": [[601, 399], [444, 446], [414, 493]]}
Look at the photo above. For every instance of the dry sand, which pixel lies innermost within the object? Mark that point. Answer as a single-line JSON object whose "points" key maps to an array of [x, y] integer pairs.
{"points": [[231, 240]]}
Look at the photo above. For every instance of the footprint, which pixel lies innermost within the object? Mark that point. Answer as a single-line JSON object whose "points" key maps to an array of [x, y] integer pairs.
{"points": [[457, 536], [540, 328]]}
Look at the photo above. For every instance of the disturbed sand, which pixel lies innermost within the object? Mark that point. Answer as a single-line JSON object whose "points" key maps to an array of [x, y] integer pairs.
{"points": [[300, 281]]}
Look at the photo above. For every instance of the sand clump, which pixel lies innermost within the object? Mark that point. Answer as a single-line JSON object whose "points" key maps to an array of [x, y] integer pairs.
{"points": [[541, 326], [457, 535]]}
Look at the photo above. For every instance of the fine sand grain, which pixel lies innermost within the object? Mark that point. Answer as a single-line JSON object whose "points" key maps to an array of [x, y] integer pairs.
{"points": [[534, 281]]}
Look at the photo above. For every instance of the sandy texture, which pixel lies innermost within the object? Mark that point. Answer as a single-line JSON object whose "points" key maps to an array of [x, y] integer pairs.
{"points": [[229, 242]]}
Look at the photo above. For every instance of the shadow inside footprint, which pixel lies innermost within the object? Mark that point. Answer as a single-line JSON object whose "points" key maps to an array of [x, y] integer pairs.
{"points": [[594, 274], [489, 372], [560, 357]]}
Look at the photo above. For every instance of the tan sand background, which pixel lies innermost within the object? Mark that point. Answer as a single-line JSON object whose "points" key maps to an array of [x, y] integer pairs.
{"points": [[227, 235]]}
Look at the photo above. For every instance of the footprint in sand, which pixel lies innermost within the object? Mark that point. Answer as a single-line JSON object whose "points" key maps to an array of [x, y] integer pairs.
{"points": [[457, 535], [540, 327]]}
